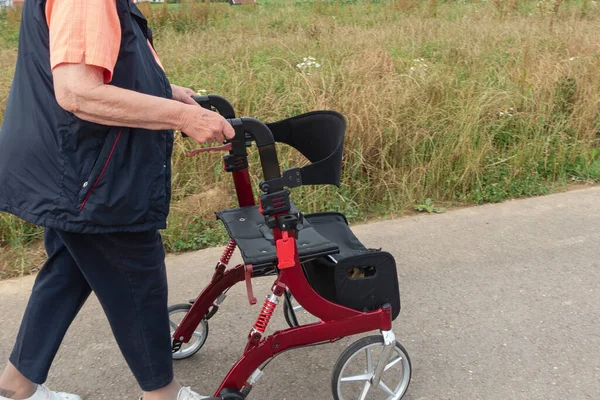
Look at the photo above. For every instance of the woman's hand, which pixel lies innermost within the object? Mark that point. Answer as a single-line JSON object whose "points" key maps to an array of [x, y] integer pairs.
{"points": [[202, 125], [183, 95], [205, 126]]}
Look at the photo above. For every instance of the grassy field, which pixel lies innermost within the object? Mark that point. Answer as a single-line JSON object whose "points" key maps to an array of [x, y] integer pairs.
{"points": [[457, 102]]}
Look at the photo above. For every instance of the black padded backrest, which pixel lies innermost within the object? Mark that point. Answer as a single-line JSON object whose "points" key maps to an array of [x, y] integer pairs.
{"points": [[319, 136]]}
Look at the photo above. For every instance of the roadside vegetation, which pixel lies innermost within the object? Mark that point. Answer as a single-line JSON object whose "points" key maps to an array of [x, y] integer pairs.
{"points": [[448, 103]]}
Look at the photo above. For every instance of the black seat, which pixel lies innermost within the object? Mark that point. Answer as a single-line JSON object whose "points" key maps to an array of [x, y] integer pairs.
{"points": [[246, 226], [322, 234]]}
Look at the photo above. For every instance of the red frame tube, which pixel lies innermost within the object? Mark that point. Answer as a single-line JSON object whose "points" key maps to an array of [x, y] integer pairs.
{"points": [[337, 322], [295, 280], [243, 188], [221, 281], [299, 336]]}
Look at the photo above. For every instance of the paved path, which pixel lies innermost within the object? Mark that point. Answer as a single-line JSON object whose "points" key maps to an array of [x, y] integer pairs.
{"points": [[499, 302]]}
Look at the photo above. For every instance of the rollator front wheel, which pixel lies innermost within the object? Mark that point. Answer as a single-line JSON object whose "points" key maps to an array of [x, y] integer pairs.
{"points": [[354, 372], [176, 314]]}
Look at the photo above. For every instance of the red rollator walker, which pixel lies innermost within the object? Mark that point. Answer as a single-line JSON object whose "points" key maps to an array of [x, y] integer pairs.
{"points": [[316, 260]]}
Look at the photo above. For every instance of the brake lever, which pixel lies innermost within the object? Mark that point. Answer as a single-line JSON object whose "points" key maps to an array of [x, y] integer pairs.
{"points": [[225, 147], [227, 143]]}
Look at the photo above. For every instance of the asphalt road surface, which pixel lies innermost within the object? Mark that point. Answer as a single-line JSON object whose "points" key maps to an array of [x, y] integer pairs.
{"points": [[498, 302]]}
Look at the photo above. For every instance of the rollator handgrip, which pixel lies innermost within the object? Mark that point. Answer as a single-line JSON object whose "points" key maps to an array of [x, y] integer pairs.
{"points": [[220, 104]]}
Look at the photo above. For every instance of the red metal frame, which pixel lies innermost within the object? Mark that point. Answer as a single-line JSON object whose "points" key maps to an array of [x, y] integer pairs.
{"points": [[243, 188], [221, 281], [336, 321]]}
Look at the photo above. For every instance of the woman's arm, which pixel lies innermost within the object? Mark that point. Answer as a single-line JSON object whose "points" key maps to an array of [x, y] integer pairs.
{"points": [[80, 89]]}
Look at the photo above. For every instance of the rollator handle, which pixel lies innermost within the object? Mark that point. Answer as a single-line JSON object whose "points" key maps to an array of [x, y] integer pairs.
{"points": [[220, 104], [249, 129]]}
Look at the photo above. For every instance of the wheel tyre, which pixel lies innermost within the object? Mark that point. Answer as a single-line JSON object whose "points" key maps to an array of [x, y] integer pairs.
{"points": [[200, 343], [356, 347]]}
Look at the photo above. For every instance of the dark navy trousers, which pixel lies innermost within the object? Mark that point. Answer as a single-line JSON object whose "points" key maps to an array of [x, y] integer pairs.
{"points": [[126, 271]]}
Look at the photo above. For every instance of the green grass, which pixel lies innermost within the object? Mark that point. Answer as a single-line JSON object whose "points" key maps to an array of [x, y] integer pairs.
{"points": [[457, 102]]}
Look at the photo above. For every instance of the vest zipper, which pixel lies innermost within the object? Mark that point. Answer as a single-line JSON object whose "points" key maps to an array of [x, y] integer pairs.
{"points": [[112, 150]]}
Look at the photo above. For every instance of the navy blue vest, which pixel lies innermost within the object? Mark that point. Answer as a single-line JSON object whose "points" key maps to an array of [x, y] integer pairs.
{"points": [[60, 171]]}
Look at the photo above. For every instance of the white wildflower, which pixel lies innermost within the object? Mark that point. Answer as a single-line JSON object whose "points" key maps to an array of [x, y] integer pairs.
{"points": [[308, 64], [572, 58], [507, 112], [419, 65]]}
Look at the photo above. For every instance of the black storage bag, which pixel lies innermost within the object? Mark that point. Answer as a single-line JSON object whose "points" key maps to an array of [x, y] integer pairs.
{"points": [[359, 278]]}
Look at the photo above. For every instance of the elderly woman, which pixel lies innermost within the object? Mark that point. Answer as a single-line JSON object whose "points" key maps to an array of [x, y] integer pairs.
{"points": [[85, 151]]}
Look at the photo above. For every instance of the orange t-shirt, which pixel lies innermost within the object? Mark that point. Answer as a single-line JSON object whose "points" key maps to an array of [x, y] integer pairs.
{"points": [[85, 28]]}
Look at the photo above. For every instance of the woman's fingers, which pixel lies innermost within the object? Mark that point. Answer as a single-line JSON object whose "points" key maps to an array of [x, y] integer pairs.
{"points": [[228, 130], [188, 100]]}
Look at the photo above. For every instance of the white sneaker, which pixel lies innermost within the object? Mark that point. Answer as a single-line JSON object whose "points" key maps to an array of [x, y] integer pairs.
{"points": [[185, 393], [43, 393]]}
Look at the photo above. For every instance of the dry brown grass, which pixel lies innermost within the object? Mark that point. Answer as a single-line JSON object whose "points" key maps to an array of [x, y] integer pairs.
{"points": [[21, 261], [8, 57], [412, 134], [503, 104]]}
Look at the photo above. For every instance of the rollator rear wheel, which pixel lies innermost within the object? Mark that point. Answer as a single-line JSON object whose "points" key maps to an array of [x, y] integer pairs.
{"points": [[176, 314], [354, 371]]}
